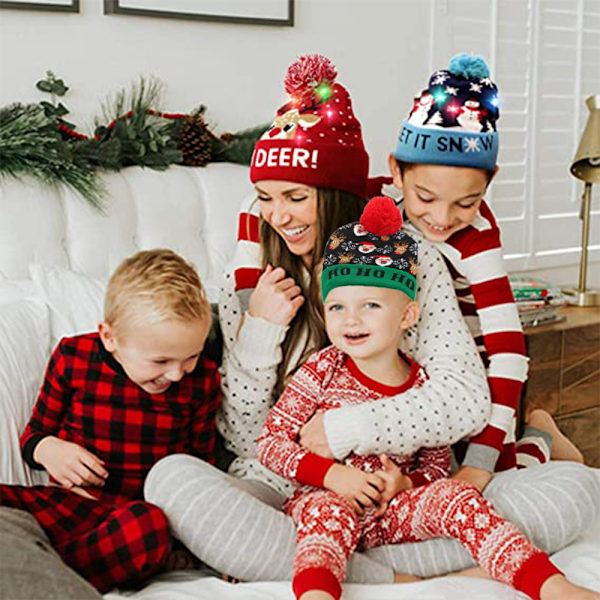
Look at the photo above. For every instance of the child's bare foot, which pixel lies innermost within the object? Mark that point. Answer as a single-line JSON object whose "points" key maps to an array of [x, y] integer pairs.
{"points": [[316, 595], [472, 572], [558, 587], [405, 578], [562, 447]]}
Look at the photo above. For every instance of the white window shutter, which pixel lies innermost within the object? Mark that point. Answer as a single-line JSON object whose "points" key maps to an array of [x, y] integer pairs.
{"points": [[544, 56]]}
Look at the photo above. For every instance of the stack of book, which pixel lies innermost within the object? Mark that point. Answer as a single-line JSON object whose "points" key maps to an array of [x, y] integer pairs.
{"points": [[537, 301]]}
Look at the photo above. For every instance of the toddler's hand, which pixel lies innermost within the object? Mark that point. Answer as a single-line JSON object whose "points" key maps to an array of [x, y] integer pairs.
{"points": [[275, 298], [70, 464], [394, 482], [362, 490]]}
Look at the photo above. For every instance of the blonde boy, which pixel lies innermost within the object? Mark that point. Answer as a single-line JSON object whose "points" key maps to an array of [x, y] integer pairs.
{"points": [[113, 403]]}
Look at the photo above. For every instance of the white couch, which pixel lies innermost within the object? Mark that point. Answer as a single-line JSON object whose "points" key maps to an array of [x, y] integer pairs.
{"points": [[56, 254]]}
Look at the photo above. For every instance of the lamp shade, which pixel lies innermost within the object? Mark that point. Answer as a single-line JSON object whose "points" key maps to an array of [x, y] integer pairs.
{"points": [[586, 164]]}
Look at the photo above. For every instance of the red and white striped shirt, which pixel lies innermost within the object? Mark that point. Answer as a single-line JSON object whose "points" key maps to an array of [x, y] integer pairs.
{"points": [[474, 258]]}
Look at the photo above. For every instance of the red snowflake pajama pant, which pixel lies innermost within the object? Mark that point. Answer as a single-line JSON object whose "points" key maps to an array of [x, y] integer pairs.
{"points": [[329, 530], [108, 545]]}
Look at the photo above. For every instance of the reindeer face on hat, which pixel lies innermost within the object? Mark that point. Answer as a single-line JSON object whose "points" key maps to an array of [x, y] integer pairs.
{"points": [[284, 126], [367, 253]]}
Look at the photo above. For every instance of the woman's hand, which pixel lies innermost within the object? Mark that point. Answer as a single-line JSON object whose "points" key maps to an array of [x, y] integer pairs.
{"points": [[276, 298], [362, 490], [69, 463]]}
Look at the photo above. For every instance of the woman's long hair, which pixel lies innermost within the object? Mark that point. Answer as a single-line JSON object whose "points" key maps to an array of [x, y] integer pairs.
{"points": [[334, 209]]}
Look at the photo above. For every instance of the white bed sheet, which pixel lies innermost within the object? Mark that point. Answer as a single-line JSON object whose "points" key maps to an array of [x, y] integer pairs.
{"points": [[580, 561]]}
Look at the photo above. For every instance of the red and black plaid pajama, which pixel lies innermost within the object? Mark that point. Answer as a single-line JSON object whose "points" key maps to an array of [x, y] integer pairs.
{"points": [[87, 398], [108, 545]]}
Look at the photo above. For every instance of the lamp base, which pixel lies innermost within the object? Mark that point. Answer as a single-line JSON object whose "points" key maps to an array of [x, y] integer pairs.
{"points": [[587, 298]]}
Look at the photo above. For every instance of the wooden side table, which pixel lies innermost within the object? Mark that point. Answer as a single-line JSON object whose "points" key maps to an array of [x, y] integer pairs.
{"points": [[564, 376]]}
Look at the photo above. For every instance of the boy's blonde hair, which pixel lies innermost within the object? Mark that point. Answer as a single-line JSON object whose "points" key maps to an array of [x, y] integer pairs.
{"points": [[153, 286]]}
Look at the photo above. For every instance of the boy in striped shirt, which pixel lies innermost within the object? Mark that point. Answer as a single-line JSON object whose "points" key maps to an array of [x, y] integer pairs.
{"points": [[444, 160]]}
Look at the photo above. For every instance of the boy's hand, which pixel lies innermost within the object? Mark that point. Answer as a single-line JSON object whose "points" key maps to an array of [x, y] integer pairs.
{"points": [[361, 489], [394, 481], [70, 464], [276, 298], [477, 477], [82, 492]]}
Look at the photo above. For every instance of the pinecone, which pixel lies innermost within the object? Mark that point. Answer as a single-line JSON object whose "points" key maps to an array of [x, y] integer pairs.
{"points": [[195, 141]]}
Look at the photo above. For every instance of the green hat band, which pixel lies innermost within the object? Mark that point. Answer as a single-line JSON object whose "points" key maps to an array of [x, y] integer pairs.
{"points": [[368, 275]]}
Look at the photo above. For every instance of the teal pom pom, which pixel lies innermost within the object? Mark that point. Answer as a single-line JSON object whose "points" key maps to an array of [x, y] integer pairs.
{"points": [[468, 66]]}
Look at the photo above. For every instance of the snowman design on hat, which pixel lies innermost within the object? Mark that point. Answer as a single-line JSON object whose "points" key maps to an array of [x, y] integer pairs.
{"points": [[470, 116], [422, 108]]}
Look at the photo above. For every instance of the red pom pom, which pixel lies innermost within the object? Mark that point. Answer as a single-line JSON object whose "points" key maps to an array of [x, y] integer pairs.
{"points": [[381, 216], [306, 74]]}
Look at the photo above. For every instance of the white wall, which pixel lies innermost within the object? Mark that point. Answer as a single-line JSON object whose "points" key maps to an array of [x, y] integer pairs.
{"points": [[382, 49]]}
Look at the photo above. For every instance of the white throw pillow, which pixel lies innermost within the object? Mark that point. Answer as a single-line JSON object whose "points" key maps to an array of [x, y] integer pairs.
{"points": [[76, 301], [24, 347]]}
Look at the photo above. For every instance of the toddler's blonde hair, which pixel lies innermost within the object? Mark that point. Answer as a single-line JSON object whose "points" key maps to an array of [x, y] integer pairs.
{"points": [[154, 286]]}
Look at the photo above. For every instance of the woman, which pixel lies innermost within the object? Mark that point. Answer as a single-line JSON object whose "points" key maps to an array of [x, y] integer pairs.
{"points": [[310, 173]]}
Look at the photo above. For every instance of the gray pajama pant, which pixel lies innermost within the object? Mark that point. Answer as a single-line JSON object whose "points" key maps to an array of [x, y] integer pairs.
{"points": [[237, 526]]}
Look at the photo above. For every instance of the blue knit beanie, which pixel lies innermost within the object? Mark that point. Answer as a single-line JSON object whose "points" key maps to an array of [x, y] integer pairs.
{"points": [[453, 121]]}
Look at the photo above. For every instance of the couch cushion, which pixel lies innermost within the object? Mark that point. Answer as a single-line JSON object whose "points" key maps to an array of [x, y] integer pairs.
{"points": [[75, 301], [190, 210], [24, 346]]}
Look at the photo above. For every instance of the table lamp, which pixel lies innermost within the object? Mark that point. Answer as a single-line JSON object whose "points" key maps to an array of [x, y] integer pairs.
{"points": [[586, 166]]}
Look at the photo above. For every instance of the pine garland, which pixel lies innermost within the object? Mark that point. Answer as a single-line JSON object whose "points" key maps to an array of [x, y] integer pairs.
{"points": [[30, 145], [142, 133], [36, 140], [237, 147]]}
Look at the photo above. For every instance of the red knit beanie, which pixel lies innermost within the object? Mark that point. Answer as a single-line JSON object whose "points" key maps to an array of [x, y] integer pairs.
{"points": [[315, 138]]}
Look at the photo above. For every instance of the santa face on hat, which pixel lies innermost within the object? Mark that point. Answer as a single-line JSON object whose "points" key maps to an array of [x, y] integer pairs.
{"points": [[383, 261], [366, 248], [359, 230]]}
